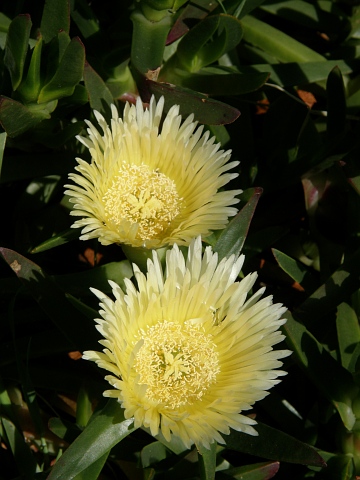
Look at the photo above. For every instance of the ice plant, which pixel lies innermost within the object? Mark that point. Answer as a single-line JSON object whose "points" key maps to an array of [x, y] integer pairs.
{"points": [[187, 350], [148, 185]]}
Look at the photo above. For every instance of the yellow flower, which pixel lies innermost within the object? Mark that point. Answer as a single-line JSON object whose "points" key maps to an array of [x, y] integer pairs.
{"points": [[187, 350], [149, 186]]}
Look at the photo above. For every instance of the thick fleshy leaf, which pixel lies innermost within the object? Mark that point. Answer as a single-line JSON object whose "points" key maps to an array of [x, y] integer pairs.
{"points": [[148, 40], [55, 18], [255, 471], [93, 471], [263, 239], [206, 110], [80, 283], [2, 148], [339, 387], [57, 240], [121, 84], [342, 283], [339, 466], [245, 6], [64, 429], [84, 309], [336, 103], [19, 448], [153, 453], [16, 118], [309, 15], [292, 73], [52, 300], [233, 237], [85, 19], [348, 330], [53, 52], [68, 74], [194, 11], [30, 87], [207, 461], [99, 95], [208, 41], [83, 407], [17, 44], [274, 42], [215, 81], [296, 270], [175, 445], [105, 429], [274, 445], [4, 22]]}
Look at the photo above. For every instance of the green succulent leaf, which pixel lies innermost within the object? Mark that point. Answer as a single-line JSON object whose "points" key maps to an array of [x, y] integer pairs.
{"points": [[64, 429], [99, 95], [98, 277], [339, 388], [148, 40], [55, 18], [57, 240], [2, 148], [274, 445], [336, 103], [17, 118], [85, 19], [30, 87], [104, 430], [296, 270], [207, 461], [53, 53], [68, 74], [217, 81], [233, 237], [4, 22], [206, 110], [292, 73], [16, 47], [348, 330], [93, 471], [342, 283], [22, 454], [276, 43], [255, 471], [308, 15], [153, 453], [208, 41]]}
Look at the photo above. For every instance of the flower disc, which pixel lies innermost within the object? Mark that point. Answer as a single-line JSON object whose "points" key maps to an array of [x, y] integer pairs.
{"points": [[150, 186]]}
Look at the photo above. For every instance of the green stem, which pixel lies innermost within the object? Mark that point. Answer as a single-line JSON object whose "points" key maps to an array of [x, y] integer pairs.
{"points": [[140, 255], [148, 42]]}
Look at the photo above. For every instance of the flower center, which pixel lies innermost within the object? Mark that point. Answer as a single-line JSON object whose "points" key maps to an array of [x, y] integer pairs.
{"points": [[142, 196], [177, 363]]}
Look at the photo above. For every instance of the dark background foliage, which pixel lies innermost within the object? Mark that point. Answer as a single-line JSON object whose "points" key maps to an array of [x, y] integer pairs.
{"points": [[291, 68]]}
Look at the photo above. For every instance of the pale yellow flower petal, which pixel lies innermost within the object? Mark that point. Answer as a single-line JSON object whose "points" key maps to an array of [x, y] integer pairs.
{"points": [[186, 350], [148, 185]]}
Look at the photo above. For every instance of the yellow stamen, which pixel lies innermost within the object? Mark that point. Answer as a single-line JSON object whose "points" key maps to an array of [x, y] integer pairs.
{"points": [[177, 363], [142, 196]]}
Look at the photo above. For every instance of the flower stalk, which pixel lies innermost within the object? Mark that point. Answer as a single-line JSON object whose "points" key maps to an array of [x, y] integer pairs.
{"points": [[148, 40]]}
